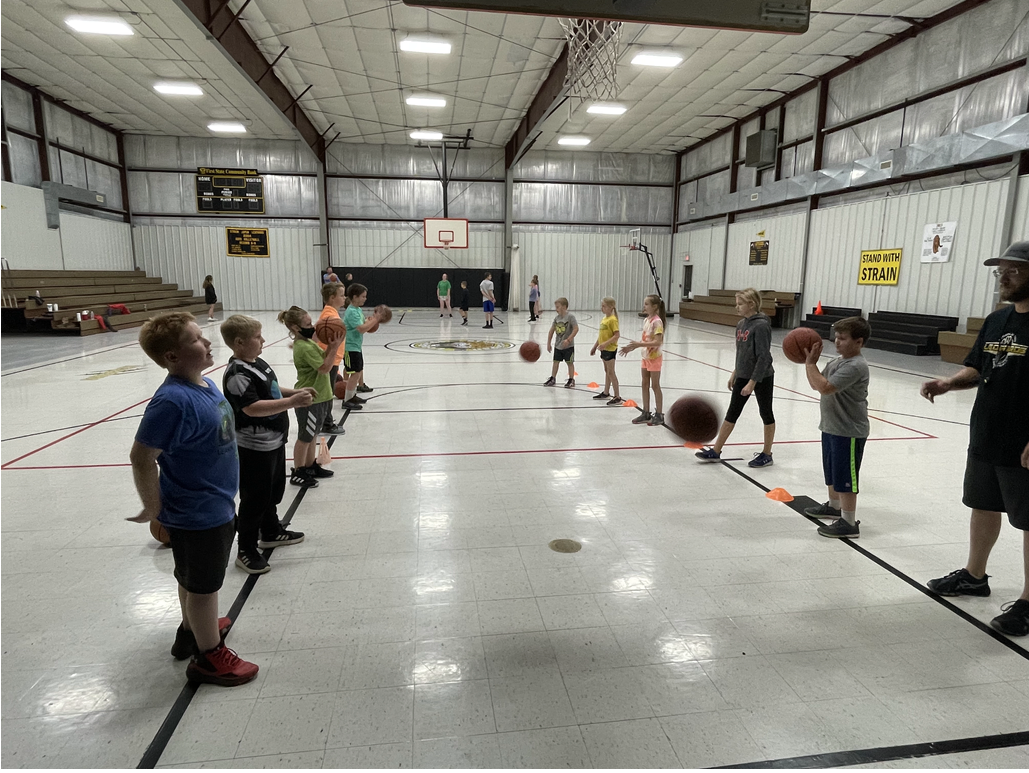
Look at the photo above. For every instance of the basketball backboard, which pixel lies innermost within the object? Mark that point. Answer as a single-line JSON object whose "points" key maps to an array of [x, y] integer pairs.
{"points": [[791, 16], [449, 233]]}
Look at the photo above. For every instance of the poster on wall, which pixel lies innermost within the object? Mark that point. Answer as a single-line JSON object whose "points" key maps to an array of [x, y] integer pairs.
{"points": [[879, 267], [247, 243], [937, 242], [759, 253]]}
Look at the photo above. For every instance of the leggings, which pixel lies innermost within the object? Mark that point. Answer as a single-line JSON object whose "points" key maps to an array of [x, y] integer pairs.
{"points": [[763, 393]]}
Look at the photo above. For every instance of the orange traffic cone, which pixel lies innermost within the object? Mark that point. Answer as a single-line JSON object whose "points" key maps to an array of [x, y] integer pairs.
{"points": [[818, 308], [629, 404], [593, 385], [688, 444], [576, 373], [779, 495]]}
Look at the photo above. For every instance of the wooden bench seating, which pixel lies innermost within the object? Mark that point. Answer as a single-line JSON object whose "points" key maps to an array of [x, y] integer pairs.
{"points": [[719, 306], [954, 347]]}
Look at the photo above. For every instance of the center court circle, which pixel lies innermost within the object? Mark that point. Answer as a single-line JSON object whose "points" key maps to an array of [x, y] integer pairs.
{"points": [[448, 345]]}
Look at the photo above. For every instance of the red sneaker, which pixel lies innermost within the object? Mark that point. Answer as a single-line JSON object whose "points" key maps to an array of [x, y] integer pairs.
{"points": [[220, 666], [185, 643]]}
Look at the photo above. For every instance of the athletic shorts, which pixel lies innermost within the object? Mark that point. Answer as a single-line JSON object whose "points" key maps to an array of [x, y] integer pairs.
{"points": [[353, 362], [652, 365], [488, 306], [606, 355], [564, 355], [311, 419], [1000, 489], [841, 461], [201, 556]]}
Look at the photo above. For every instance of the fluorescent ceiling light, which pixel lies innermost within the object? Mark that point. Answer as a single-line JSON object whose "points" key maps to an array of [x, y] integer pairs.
{"points": [[179, 88], [427, 101], [99, 25], [580, 141], [425, 45], [657, 59], [606, 108], [426, 135], [230, 127]]}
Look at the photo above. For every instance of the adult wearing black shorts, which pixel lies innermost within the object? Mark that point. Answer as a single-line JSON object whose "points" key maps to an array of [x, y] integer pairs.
{"points": [[997, 470], [753, 374]]}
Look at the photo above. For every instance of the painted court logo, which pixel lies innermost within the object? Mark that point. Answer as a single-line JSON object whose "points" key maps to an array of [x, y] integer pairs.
{"points": [[463, 345]]}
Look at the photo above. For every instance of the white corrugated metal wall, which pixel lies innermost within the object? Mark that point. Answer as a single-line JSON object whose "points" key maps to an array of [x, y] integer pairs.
{"points": [[184, 252], [785, 236], [95, 243], [706, 247], [401, 245]]}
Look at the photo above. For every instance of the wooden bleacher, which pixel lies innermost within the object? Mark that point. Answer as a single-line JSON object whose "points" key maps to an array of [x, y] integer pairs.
{"points": [[719, 307], [77, 291], [954, 347]]}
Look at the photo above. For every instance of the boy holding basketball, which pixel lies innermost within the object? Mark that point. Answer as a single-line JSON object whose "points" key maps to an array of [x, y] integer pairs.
{"points": [[260, 408], [843, 386], [186, 472], [565, 328]]}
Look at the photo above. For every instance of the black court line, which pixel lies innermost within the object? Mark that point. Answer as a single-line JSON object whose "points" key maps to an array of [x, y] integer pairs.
{"points": [[888, 753], [152, 754]]}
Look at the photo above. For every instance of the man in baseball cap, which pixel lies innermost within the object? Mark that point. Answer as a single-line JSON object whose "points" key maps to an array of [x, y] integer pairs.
{"points": [[997, 469]]}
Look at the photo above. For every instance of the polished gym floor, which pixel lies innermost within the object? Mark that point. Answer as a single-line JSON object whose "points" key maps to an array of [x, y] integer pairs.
{"points": [[426, 622]]}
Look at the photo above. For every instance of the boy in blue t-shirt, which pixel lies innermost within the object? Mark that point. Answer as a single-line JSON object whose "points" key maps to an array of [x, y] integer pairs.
{"points": [[186, 471]]}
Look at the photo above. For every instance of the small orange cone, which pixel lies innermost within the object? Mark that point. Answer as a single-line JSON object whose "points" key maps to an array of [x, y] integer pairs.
{"points": [[576, 372], [629, 404], [688, 444], [779, 495], [818, 308], [593, 385]]}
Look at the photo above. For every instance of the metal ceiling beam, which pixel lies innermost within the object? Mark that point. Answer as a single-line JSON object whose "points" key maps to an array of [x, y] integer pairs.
{"points": [[229, 33], [551, 95]]}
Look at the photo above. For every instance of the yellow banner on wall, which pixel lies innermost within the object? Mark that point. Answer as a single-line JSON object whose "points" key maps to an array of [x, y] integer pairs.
{"points": [[879, 267]]}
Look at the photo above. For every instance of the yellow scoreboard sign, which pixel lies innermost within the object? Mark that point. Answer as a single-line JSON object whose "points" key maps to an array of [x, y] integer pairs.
{"points": [[879, 267]]}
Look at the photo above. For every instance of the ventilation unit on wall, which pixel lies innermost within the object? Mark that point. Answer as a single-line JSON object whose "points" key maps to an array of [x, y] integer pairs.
{"points": [[761, 147]]}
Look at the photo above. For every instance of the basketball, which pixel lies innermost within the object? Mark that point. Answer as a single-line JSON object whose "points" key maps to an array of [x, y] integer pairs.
{"points": [[160, 533], [797, 340], [530, 351], [384, 313], [373, 328], [694, 419], [340, 389], [328, 328]]}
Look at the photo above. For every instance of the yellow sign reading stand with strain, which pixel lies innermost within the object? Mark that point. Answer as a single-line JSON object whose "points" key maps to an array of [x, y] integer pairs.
{"points": [[879, 267]]}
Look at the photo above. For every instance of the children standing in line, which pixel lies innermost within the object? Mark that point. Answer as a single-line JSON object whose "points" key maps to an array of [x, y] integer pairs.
{"points": [[313, 368], [653, 337], [210, 296], [262, 426], [464, 302], [753, 374], [607, 343], [333, 296], [843, 386], [186, 472], [534, 296], [353, 359], [565, 328]]}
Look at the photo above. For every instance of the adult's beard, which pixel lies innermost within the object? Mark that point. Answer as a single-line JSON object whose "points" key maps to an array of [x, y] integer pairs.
{"points": [[1015, 294]]}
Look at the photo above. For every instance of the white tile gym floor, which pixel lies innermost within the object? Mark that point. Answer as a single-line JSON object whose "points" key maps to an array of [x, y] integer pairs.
{"points": [[425, 622]]}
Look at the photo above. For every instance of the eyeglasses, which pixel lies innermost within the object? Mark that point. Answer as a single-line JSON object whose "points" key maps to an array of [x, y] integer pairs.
{"points": [[1006, 272]]}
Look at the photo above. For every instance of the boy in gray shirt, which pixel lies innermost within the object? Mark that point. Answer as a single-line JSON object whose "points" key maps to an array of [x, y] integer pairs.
{"points": [[565, 328], [843, 386]]}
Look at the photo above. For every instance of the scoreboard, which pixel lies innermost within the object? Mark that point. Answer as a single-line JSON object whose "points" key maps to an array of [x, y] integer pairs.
{"points": [[229, 191]]}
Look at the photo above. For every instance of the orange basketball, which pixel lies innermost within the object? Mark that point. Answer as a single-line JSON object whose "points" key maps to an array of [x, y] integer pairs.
{"points": [[373, 328], [384, 313], [340, 388], [694, 419], [329, 328], [797, 340], [160, 533], [530, 351]]}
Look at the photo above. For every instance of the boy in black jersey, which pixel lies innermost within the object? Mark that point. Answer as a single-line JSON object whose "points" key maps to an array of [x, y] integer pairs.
{"points": [[260, 408]]}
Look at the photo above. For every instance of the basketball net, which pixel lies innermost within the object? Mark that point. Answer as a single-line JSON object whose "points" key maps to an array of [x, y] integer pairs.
{"points": [[446, 243], [593, 48]]}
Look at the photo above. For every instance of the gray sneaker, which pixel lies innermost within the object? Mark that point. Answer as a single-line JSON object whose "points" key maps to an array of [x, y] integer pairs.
{"points": [[839, 529], [824, 510]]}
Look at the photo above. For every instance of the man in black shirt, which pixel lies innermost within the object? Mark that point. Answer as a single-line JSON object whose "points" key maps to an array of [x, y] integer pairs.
{"points": [[997, 470]]}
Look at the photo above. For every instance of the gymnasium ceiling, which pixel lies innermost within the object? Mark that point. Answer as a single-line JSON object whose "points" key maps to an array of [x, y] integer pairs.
{"points": [[346, 50]]}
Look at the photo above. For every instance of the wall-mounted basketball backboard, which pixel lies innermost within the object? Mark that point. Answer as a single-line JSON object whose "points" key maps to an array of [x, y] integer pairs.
{"points": [[448, 233], [791, 16]]}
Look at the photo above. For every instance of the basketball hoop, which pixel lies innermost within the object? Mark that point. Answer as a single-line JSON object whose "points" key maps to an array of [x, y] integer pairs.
{"points": [[446, 241], [593, 48]]}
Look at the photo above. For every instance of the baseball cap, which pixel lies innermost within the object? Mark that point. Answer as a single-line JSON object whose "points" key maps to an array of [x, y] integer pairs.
{"points": [[1017, 252]]}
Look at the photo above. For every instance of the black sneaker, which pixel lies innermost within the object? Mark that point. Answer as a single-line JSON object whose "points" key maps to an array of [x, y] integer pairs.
{"points": [[643, 418], [615, 401], [300, 477], [284, 537], [960, 582], [550, 382], [839, 529], [351, 405], [317, 471], [657, 420], [465, 322], [824, 510], [364, 388], [1014, 620], [335, 429], [185, 645], [252, 562], [570, 383], [602, 396], [358, 400]]}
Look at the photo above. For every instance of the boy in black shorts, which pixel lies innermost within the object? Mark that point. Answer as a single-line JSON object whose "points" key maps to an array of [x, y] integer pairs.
{"points": [[565, 328], [186, 472], [260, 409], [464, 302]]}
